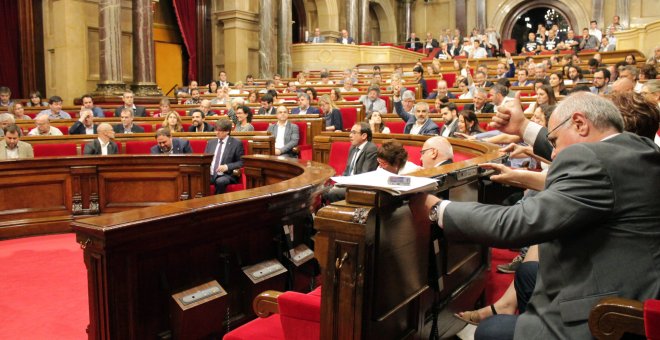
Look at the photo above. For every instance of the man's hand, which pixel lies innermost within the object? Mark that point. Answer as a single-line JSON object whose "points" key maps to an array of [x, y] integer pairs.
{"points": [[420, 205], [222, 168], [510, 118], [519, 178], [278, 152], [84, 116], [507, 54], [517, 151]]}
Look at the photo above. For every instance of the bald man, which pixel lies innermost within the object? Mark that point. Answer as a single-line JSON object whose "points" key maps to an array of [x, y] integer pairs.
{"points": [[103, 144], [623, 85], [436, 151]]}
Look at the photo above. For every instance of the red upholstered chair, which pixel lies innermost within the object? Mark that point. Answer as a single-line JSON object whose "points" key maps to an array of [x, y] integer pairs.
{"points": [[63, 128], [587, 51], [338, 156], [566, 51], [182, 112], [413, 154], [396, 127], [547, 52], [614, 317], [198, 145], [82, 148], [509, 45], [54, 150], [349, 117], [269, 328], [366, 43], [386, 44], [186, 126], [139, 147], [147, 127], [431, 84], [109, 113], [260, 126], [459, 156], [450, 78], [388, 103], [241, 183], [304, 145], [351, 98]]}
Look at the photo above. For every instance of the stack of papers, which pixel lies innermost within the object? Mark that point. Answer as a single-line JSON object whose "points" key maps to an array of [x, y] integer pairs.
{"points": [[378, 179]]}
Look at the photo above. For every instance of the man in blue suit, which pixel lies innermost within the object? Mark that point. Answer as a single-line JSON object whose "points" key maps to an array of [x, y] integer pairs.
{"points": [[304, 106], [286, 134], [168, 145], [228, 153], [417, 123]]}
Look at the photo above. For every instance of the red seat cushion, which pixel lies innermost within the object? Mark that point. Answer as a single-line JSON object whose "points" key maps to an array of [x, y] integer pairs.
{"points": [[396, 127], [348, 117], [413, 153], [338, 156], [450, 78], [63, 128], [186, 126], [431, 84], [147, 127], [53, 150], [109, 113], [260, 126], [459, 156], [300, 315], [269, 328], [139, 147], [651, 319], [198, 145]]}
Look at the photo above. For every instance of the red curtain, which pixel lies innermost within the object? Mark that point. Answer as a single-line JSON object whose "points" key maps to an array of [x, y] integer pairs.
{"points": [[186, 16], [9, 54]]}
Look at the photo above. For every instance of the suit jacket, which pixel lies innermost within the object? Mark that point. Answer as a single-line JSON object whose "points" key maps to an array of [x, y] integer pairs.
{"points": [[434, 43], [349, 40], [310, 110], [291, 137], [334, 119], [207, 128], [94, 148], [135, 128], [232, 157], [453, 126], [139, 111], [24, 150], [271, 111], [79, 129], [596, 224], [429, 127], [179, 146], [366, 159], [487, 108], [416, 44], [526, 83], [434, 95], [320, 39]]}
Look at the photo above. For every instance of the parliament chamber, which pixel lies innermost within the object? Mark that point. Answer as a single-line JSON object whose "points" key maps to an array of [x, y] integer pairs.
{"points": [[167, 258]]}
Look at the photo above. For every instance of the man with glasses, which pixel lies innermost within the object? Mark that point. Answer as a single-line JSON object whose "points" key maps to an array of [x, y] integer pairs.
{"points": [[361, 158], [435, 152], [601, 82], [595, 221]]}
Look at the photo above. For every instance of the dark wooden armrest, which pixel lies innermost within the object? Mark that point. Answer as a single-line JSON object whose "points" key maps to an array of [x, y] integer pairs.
{"points": [[265, 303], [612, 317], [236, 173]]}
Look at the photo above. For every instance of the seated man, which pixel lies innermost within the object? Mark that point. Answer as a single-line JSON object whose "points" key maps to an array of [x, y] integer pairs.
{"points": [[168, 145], [450, 117], [372, 102], [85, 124], [11, 147], [267, 107], [345, 38], [304, 106], [198, 122], [361, 158], [441, 91], [419, 122], [127, 125], [194, 98], [128, 98], [523, 80], [286, 134], [317, 37], [435, 152], [88, 103], [54, 110], [348, 86], [6, 119], [228, 153], [413, 42], [43, 127], [5, 96], [479, 104], [103, 144]]}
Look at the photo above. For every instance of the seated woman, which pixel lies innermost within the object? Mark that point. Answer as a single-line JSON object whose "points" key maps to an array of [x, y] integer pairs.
{"points": [[392, 157], [164, 105], [463, 85], [18, 111], [468, 124], [331, 114], [335, 95], [375, 121], [173, 122], [212, 88], [243, 119], [557, 84], [36, 99], [544, 95]]}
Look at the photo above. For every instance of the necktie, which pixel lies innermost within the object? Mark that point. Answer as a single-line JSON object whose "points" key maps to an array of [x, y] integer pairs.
{"points": [[218, 157], [351, 164], [371, 106]]}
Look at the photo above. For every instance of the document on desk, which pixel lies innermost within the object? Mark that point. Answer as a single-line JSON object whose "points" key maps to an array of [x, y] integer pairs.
{"points": [[380, 179]]}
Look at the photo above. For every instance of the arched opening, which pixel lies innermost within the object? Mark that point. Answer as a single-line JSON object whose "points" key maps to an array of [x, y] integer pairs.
{"points": [[374, 29], [525, 17], [299, 21]]}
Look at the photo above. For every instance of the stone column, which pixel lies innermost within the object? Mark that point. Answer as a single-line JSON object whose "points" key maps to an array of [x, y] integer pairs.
{"points": [[144, 74], [365, 26], [623, 11], [267, 45], [353, 18], [481, 15], [284, 39], [110, 72], [597, 9], [408, 17]]}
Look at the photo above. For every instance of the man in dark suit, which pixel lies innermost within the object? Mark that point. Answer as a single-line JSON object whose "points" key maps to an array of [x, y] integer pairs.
{"points": [[345, 39], [127, 125], [198, 123], [84, 125], [435, 152], [103, 145], [599, 207], [441, 91], [228, 153], [479, 104], [361, 158], [450, 117], [286, 134], [168, 145], [413, 42], [128, 98], [304, 106], [417, 123], [267, 107]]}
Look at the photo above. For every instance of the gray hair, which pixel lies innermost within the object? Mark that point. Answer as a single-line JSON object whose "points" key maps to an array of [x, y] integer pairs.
{"points": [[7, 117], [421, 104], [408, 95], [653, 85], [304, 94], [633, 70], [599, 111]]}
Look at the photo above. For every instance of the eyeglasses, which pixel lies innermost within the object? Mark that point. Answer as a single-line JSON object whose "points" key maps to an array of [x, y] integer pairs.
{"points": [[553, 140], [421, 152]]}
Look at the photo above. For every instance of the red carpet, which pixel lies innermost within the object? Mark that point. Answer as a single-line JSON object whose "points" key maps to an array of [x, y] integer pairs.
{"points": [[43, 288], [498, 282]]}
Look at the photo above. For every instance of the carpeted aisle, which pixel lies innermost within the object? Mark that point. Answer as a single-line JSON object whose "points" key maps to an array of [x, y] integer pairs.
{"points": [[43, 288], [498, 282]]}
